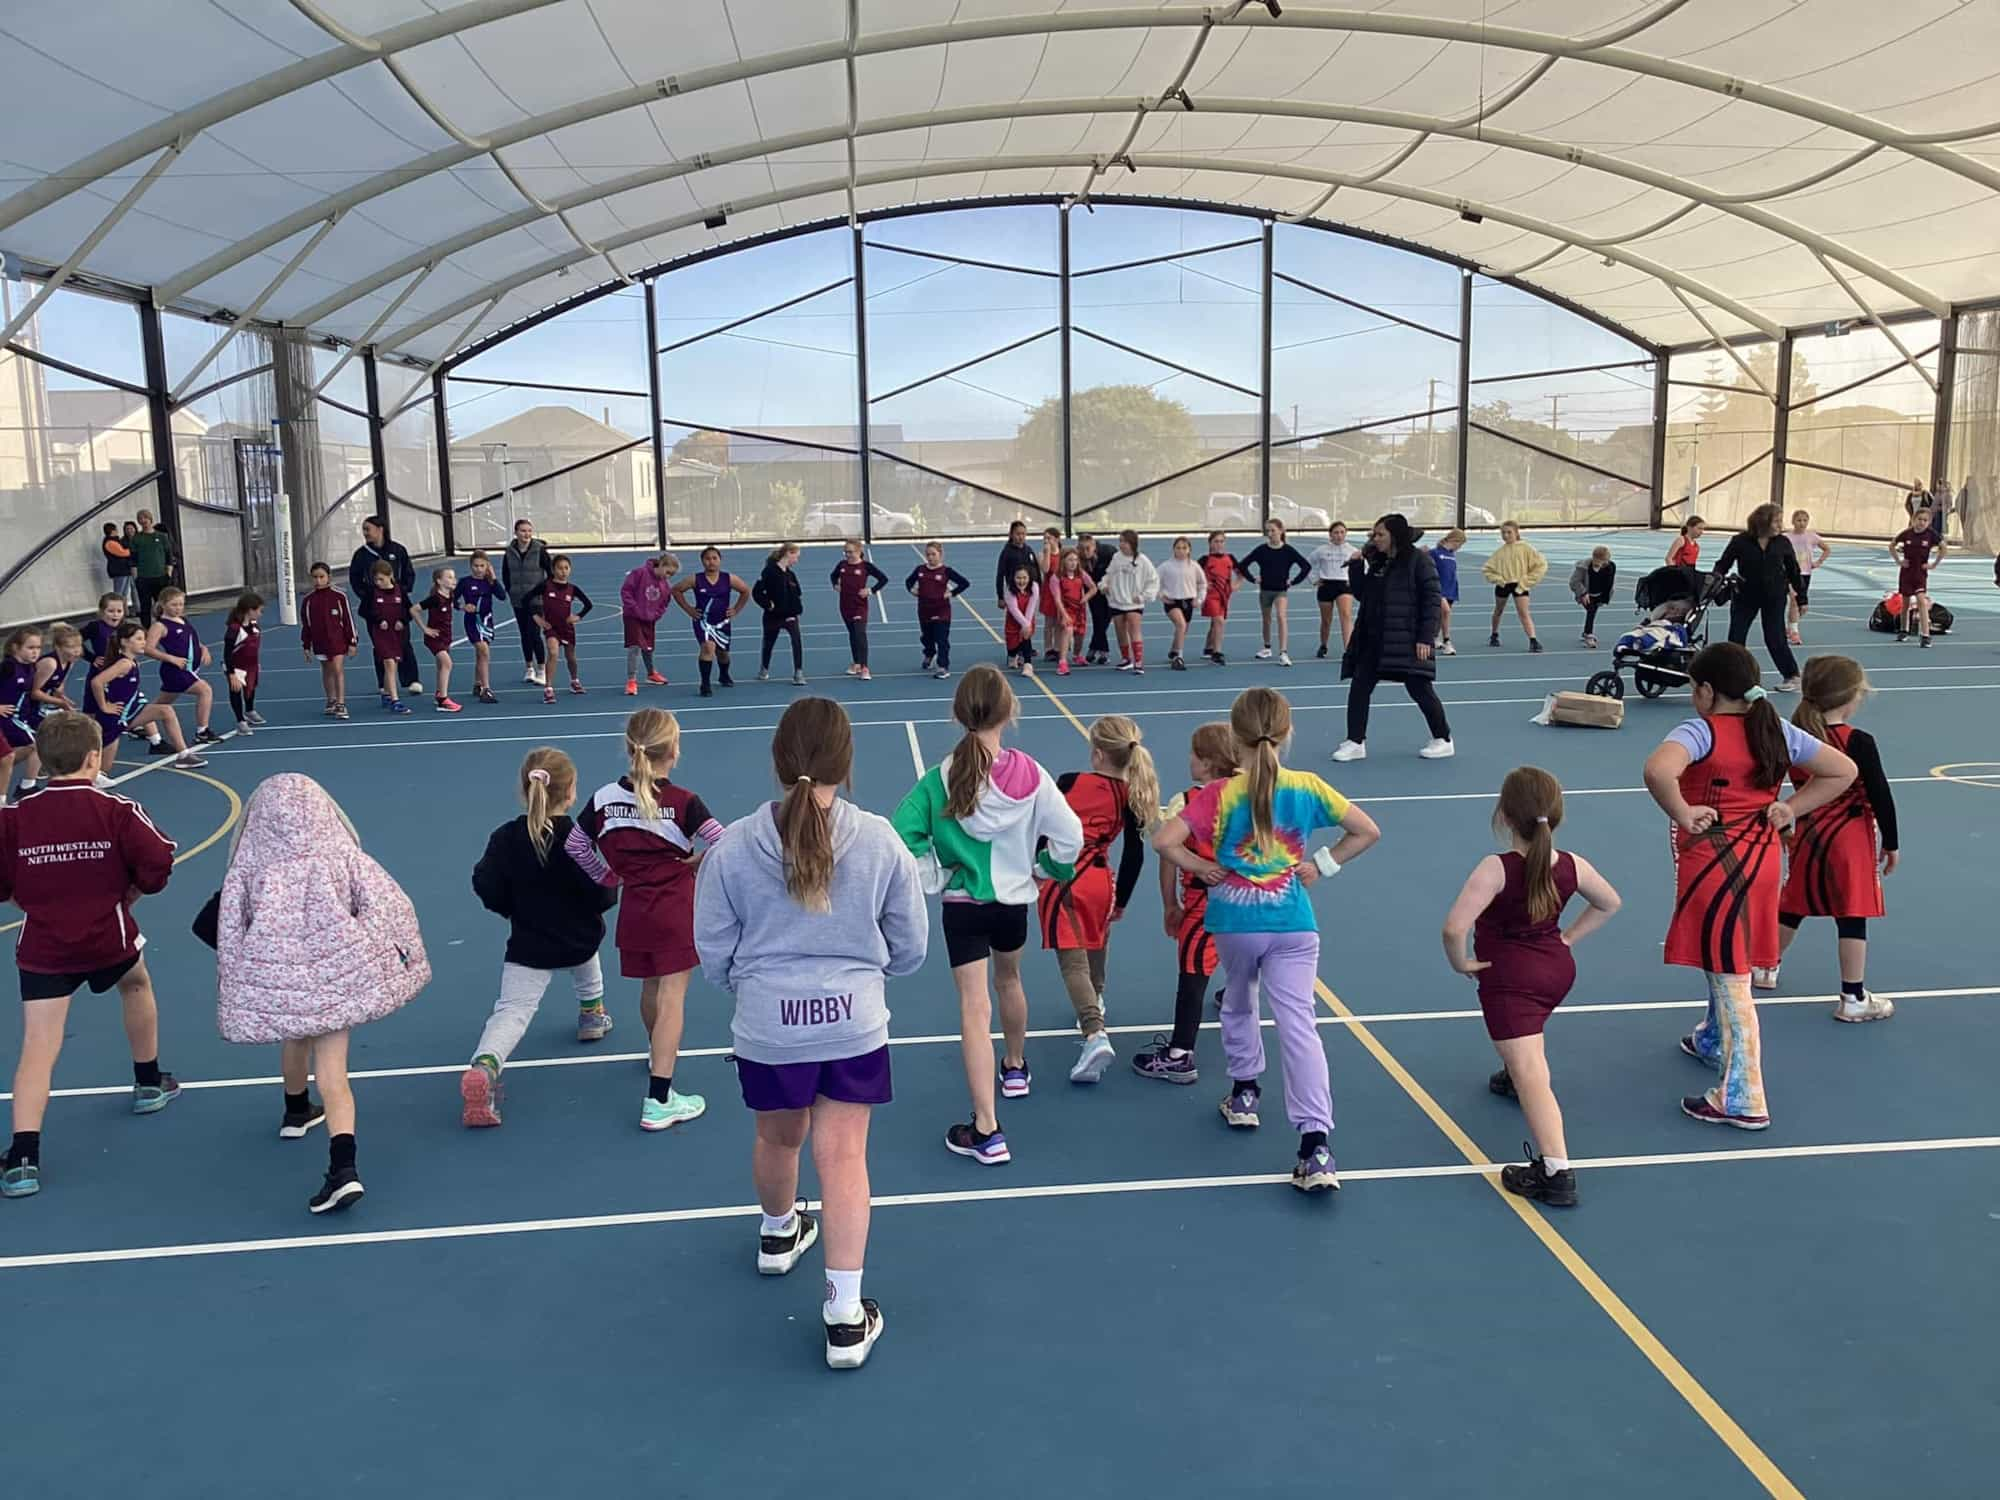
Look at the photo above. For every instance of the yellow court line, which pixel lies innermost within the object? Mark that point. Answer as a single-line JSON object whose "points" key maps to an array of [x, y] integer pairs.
{"points": [[1676, 1374], [1061, 707], [1984, 773], [222, 832]]}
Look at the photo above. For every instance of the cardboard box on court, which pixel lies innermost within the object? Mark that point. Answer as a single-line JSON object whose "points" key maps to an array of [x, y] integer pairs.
{"points": [[1587, 711]]}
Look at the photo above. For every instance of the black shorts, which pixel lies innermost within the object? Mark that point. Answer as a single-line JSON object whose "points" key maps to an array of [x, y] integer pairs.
{"points": [[1331, 589], [1804, 590], [975, 929], [1133, 609], [1508, 590], [1185, 606], [62, 986]]}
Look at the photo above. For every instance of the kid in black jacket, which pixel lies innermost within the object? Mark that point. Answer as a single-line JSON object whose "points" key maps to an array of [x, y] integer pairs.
{"points": [[778, 594], [555, 914]]}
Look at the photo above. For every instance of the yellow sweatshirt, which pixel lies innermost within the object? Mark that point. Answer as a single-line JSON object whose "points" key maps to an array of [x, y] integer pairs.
{"points": [[1516, 563]]}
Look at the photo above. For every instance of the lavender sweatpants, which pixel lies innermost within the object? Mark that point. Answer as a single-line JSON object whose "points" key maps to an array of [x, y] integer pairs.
{"points": [[1286, 963]]}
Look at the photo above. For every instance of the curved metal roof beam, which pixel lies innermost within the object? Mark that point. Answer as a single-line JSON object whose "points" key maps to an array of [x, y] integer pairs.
{"points": [[307, 71], [1393, 119], [1598, 50], [1141, 161]]}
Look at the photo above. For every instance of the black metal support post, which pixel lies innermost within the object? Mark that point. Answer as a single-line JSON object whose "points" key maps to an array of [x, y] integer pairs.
{"points": [[1464, 389], [653, 392], [1781, 421], [377, 454], [1264, 382], [1657, 507], [1062, 315], [154, 345], [443, 429], [861, 388]]}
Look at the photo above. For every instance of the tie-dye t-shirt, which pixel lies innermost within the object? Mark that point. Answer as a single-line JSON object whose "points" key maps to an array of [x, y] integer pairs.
{"points": [[1261, 892]]}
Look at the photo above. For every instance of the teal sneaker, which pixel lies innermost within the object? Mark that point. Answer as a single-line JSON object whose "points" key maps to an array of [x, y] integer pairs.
{"points": [[23, 1181], [150, 1100], [678, 1110]]}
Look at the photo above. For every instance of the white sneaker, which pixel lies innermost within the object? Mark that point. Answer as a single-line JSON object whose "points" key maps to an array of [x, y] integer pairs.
{"points": [[849, 1344], [1095, 1058], [1763, 979], [1126, 666], [1265, 654], [1284, 658], [1789, 685], [1867, 1008], [1439, 750], [1447, 649], [1351, 750]]}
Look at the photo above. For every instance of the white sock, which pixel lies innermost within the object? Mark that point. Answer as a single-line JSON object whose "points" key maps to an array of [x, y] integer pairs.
{"points": [[153, 733], [843, 1297], [784, 1225], [1555, 1164]]}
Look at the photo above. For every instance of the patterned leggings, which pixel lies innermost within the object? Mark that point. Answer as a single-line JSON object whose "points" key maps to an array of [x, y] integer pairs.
{"points": [[1728, 1037]]}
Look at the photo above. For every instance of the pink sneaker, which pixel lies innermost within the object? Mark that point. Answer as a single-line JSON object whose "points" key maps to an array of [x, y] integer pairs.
{"points": [[1062, 668], [447, 706], [575, 686], [548, 695]]}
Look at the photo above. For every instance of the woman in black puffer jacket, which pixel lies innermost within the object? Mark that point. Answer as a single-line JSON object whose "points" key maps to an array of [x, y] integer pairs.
{"points": [[778, 594], [1397, 586]]}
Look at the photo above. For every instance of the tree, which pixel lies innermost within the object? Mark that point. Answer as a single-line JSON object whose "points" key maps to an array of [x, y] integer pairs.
{"points": [[705, 447], [1122, 437]]}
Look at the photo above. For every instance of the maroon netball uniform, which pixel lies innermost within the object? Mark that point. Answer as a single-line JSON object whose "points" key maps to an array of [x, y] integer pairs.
{"points": [[242, 646], [326, 628], [1531, 968], [1836, 849], [388, 615], [1914, 575], [650, 858], [439, 611], [562, 605]]}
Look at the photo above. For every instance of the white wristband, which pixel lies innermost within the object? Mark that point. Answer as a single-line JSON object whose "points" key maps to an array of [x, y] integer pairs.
{"points": [[1328, 865]]}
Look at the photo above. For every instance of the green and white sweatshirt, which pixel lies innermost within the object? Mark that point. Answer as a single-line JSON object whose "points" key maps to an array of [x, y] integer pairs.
{"points": [[991, 855]]}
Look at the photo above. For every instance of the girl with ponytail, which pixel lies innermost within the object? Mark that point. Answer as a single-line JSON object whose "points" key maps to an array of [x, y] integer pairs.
{"points": [[1511, 909], [1258, 822], [1118, 795], [1840, 853], [983, 825], [646, 834], [555, 922], [1718, 778], [803, 912]]}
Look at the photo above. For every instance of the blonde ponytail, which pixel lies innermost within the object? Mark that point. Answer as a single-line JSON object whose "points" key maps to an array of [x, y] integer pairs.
{"points": [[1261, 720], [652, 744], [1117, 739], [548, 786]]}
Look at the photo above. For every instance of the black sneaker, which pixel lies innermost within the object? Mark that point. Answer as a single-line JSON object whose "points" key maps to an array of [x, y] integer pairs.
{"points": [[298, 1121], [726, 680], [848, 1344], [1177, 664], [1320, 655], [778, 1253], [161, 747], [1536, 1181], [1219, 659], [1901, 636], [1534, 646], [207, 736], [707, 691], [341, 1188], [1493, 639], [1502, 1083], [1051, 657], [485, 695]]}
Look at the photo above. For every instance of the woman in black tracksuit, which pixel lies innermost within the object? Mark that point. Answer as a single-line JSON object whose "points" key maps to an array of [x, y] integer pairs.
{"points": [[1769, 571], [1396, 584], [778, 594]]}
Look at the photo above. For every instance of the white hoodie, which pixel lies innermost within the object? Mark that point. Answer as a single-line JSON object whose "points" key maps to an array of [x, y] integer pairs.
{"points": [[1131, 582]]}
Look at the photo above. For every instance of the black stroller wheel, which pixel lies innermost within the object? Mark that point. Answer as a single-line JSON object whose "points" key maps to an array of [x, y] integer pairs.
{"points": [[1650, 684], [1605, 685]]}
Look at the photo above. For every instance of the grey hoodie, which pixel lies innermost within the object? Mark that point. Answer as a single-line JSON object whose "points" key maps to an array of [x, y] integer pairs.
{"points": [[809, 986]]}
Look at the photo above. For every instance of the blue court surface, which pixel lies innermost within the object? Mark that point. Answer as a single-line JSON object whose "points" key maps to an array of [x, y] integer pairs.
{"points": [[1137, 1304]]}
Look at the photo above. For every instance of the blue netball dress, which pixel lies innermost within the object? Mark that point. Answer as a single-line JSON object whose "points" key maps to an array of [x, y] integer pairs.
{"points": [[475, 597], [178, 638], [16, 677], [711, 602]]}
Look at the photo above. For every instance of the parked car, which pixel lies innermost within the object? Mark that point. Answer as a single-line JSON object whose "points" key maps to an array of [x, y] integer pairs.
{"points": [[843, 518], [1433, 511], [1229, 511]]}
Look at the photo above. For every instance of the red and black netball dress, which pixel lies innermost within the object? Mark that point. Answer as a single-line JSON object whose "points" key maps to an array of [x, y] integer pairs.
{"points": [[1836, 852], [1195, 949], [1727, 878], [1530, 968], [1068, 595], [1076, 913]]}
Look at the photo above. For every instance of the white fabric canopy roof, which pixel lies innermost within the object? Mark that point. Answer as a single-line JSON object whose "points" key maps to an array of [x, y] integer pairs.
{"points": [[419, 175]]}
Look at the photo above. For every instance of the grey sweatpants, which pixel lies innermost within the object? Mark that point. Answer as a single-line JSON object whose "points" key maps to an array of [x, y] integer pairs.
{"points": [[521, 991]]}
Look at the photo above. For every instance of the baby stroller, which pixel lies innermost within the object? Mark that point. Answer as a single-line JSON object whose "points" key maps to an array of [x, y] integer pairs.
{"points": [[1676, 602]]}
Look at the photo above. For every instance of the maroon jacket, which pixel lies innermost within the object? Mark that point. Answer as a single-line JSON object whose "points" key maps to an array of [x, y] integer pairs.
{"points": [[69, 857]]}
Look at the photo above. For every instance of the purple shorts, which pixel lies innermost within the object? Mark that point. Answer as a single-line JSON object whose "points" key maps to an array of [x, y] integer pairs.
{"points": [[850, 1080]]}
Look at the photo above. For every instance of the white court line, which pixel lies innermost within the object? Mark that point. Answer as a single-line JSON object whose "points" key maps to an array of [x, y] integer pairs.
{"points": [[916, 750], [941, 1039], [952, 1199]]}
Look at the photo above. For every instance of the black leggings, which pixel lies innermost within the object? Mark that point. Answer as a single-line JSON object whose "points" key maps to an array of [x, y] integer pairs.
{"points": [[773, 628], [1421, 691], [533, 652], [857, 640], [242, 704], [149, 590], [1847, 928], [1742, 610], [1590, 609], [937, 642], [1188, 996], [1100, 625]]}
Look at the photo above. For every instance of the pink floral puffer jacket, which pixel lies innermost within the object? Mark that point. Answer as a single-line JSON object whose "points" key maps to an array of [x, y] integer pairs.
{"points": [[312, 935]]}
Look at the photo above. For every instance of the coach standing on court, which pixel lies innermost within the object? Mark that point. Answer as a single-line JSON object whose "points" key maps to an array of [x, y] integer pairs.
{"points": [[376, 547], [524, 567]]}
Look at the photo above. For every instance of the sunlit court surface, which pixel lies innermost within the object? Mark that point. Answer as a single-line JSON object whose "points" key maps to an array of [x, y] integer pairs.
{"points": [[1139, 1292]]}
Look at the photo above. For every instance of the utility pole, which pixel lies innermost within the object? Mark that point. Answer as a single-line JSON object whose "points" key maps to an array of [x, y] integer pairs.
{"points": [[1430, 429]]}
